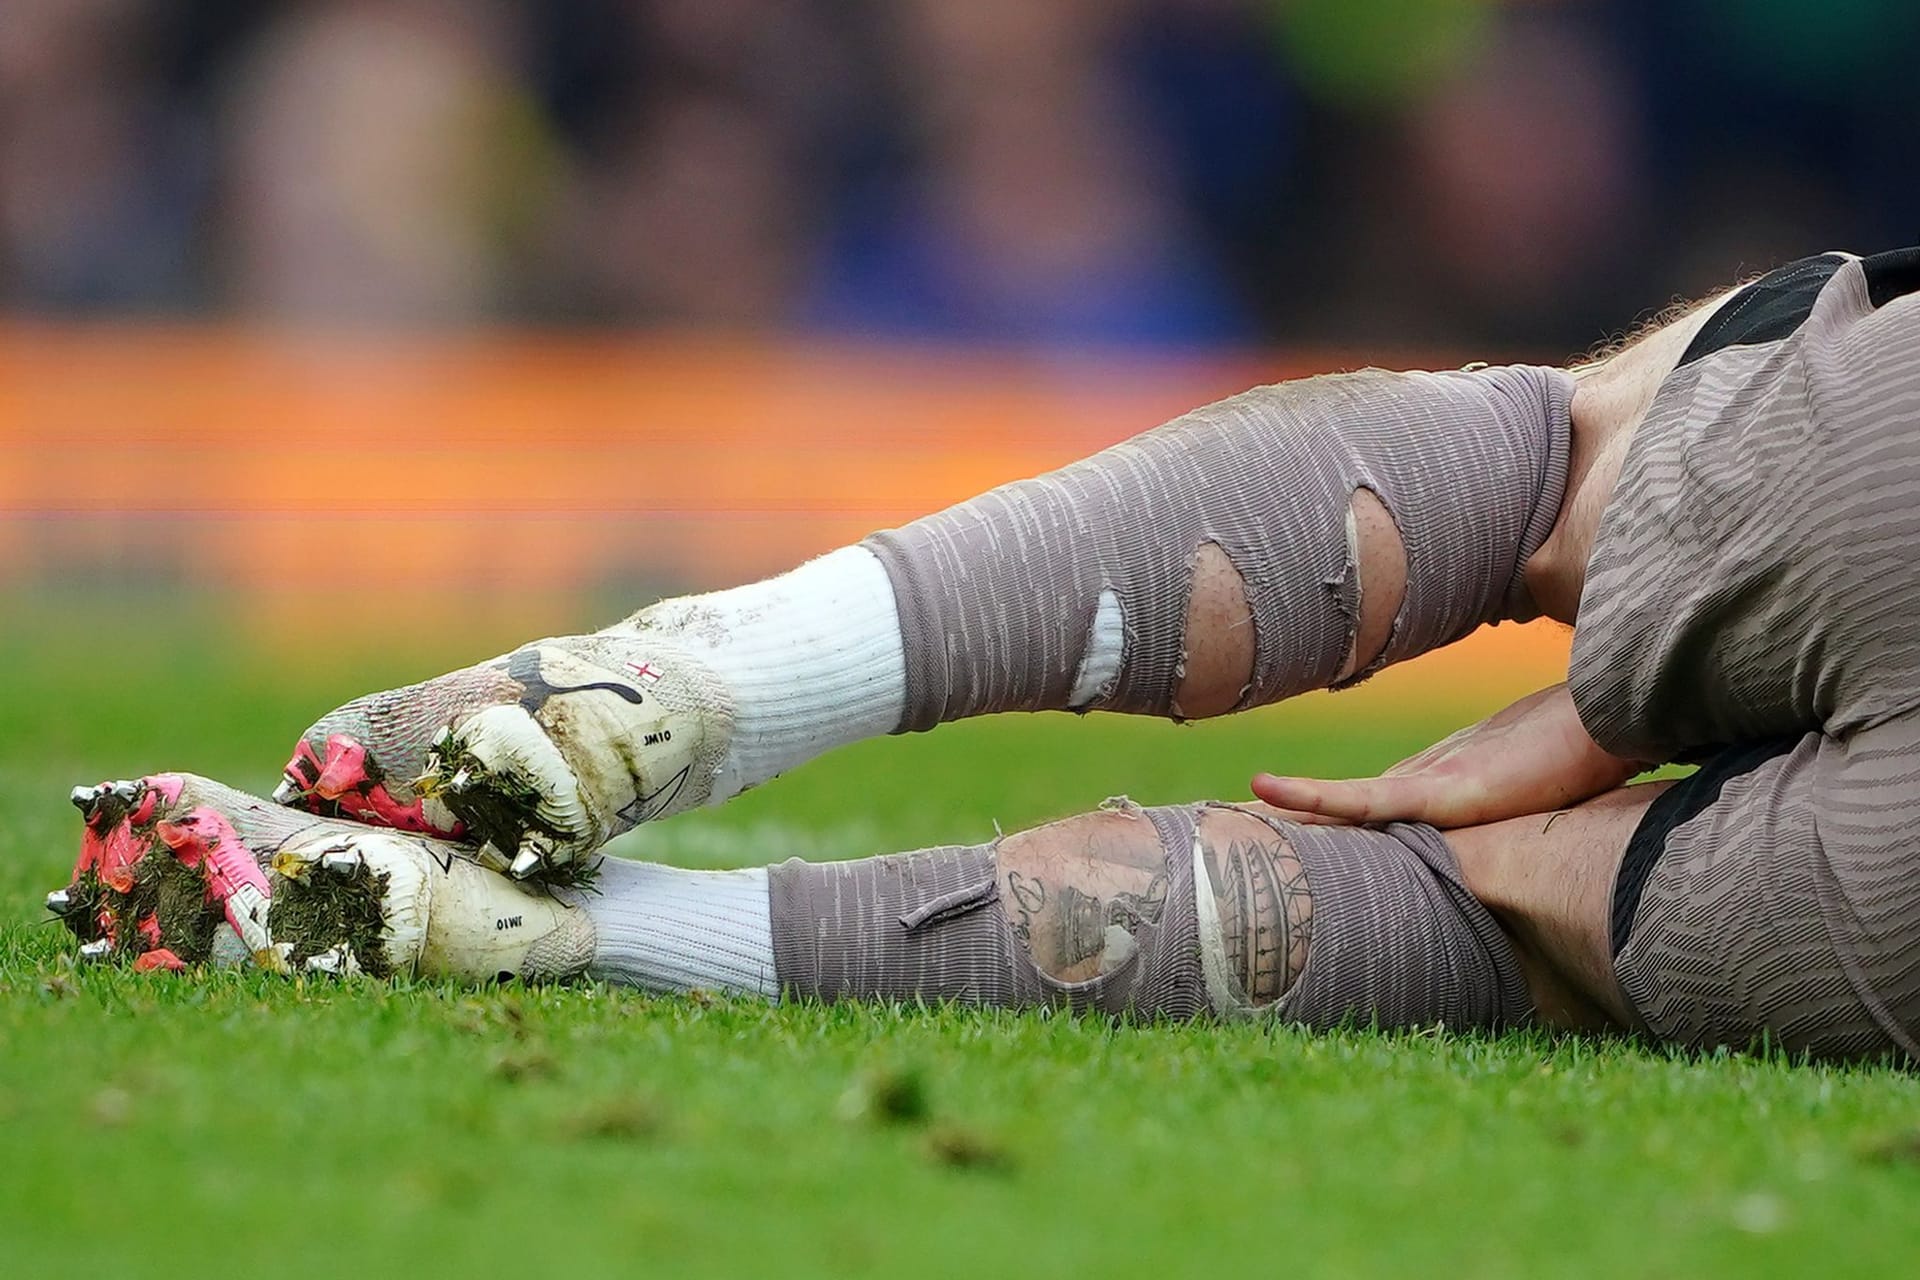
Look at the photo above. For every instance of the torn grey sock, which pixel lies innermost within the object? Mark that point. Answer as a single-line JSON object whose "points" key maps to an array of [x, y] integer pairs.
{"points": [[1001, 597], [1395, 938]]}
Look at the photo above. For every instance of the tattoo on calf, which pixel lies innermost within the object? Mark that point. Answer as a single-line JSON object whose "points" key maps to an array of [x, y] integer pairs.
{"points": [[1076, 892], [1085, 920], [1266, 913], [1025, 896]]}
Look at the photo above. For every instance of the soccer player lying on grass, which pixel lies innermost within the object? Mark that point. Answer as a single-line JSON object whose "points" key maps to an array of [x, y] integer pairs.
{"points": [[1729, 506]]}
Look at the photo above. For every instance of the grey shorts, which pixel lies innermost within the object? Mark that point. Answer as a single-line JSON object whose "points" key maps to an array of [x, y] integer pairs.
{"points": [[1753, 602]]}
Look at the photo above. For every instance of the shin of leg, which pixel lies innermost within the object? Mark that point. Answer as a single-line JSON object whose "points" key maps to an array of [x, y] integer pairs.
{"points": [[1075, 890], [1168, 912], [1096, 912], [1002, 599]]}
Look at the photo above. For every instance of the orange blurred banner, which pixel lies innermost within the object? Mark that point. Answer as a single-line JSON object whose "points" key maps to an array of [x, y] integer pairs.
{"points": [[420, 474]]}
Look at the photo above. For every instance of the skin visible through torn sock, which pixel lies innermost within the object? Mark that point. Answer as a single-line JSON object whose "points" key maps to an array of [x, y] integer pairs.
{"points": [[1067, 886], [1548, 878], [1261, 895], [1379, 561], [1075, 891], [1219, 627], [1219, 638]]}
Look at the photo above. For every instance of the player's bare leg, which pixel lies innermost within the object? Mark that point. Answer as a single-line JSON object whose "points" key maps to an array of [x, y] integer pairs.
{"points": [[1549, 878]]}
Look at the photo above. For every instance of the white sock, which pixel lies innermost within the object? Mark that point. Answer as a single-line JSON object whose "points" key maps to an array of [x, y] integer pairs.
{"points": [[670, 930], [812, 658]]}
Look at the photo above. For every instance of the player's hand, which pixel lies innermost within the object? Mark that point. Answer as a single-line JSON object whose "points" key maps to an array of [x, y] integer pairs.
{"points": [[1533, 757]]}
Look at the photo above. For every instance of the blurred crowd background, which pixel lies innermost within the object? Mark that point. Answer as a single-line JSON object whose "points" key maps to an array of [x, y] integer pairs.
{"points": [[1181, 172]]}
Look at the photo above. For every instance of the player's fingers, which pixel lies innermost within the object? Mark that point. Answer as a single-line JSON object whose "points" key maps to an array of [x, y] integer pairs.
{"points": [[1396, 799], [1307, 818]]}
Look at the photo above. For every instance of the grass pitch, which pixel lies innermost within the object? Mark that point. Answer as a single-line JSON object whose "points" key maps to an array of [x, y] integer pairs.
{"points": [[158, 1125]]}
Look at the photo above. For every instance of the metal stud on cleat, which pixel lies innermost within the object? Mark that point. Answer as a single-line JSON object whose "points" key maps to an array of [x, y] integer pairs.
{"points": [[536, 855], [489, 855], [98, 949], [338, 960], [108, 802], [342, 862]]}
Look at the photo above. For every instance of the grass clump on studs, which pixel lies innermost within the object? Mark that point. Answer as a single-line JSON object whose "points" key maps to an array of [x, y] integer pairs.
{"points": [[322, 909], [496, 807], [177, 895], [86, 896], [582, 875], [500, 810], [173, 894]]}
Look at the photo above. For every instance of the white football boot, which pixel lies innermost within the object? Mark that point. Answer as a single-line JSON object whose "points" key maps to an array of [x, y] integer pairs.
{"points": [[176, 870], [537, 758]]}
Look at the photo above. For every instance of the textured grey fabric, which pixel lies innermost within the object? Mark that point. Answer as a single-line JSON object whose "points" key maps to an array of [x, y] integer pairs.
{"points": [[1396, 939], [1790, 905], [928, 926], [1755, 576], [1755, 572], [996, 596]]}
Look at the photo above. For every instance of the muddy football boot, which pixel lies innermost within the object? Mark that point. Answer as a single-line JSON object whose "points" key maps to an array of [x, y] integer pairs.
{"points": [[176, 871], [537, 758]]}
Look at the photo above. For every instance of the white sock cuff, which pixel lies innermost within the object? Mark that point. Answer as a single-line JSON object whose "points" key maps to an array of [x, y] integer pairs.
{"points": [[812, 660], [667, 929]]}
